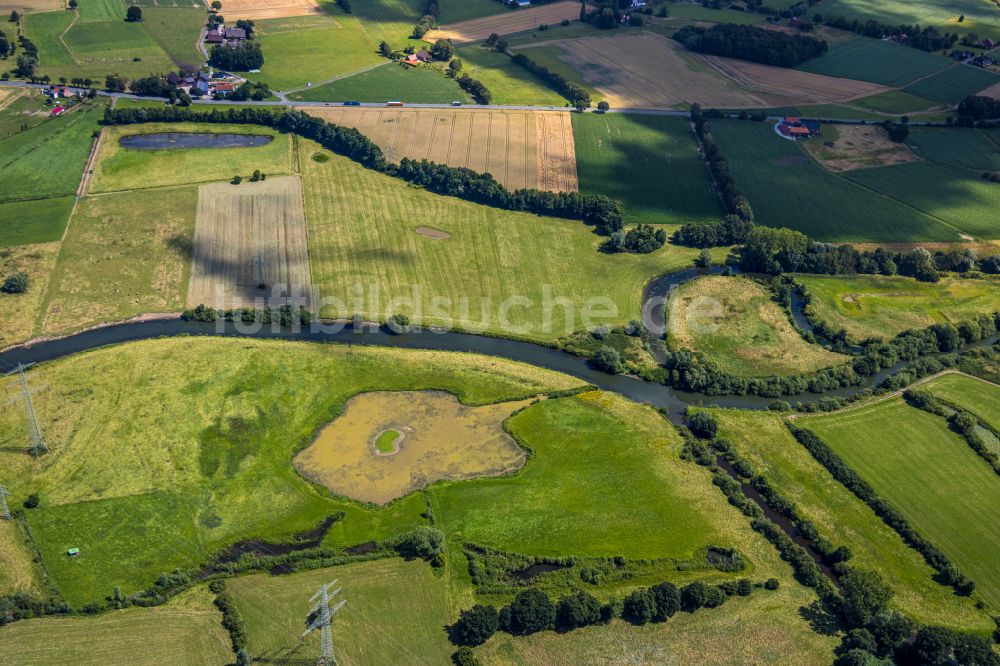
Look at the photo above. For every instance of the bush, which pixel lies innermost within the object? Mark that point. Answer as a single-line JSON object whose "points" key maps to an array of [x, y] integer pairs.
{"points": [[531, 612], [31, 502], [694, 596], [464, 656], [476, 625], [639, 607], [771, 584], [133, 14], [608, 360], [667, 600], [577, 610], [16, 284], [423, 542], [703, 425]]}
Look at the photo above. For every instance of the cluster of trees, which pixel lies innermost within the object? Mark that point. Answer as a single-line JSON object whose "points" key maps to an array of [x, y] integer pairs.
{"points": [[768, 47], [926, 39], [241, 58], [731, 230], [249, 90], [961, 421], [22, 606], [153, 86], [443, 50], [6, 46], [232, 621], [16, 283], [577, 95], [427, 21], [286, 315], [346, 6], [476, 89], [979, 107], [608, 14], [732, 198], [641, 239], [948, 572], [598, 210]]}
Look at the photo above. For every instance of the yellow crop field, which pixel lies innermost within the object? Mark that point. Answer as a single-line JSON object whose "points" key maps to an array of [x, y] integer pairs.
{"points": [[506, 24]]}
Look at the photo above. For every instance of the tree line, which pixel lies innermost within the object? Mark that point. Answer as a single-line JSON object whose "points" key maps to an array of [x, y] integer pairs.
{"points": [[733, 200], [576, 94], [925, 39], [598, 210], [979, 107], [963, 422], [745, 42]]}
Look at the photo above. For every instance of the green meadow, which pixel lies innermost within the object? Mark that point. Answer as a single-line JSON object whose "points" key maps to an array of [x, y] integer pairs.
{"points": [[975, 395], [974, 149], [954, 84], [980, 17], [34, 220], [873, 60], [509, 83], [419, 85], [943, 488]]}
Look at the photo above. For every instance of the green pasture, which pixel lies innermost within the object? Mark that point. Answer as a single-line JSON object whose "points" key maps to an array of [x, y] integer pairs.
{"points": [[186, 631], [509, 83], [120, 259], [916, 463], [34, 220], [550, 57], [700, 13], [395, 613], [417, 85], [164, 452], [895, 102], [389, 20], [734, 322], [453, 11], [491, 255], [880, 306], [980, 17], [788, 189], [44, 29], [980, 397], [177, 31], [24, 112], [119, 168], [290, 46], [97, 39], [762, 439], [102, 10], [954, 84], [873, 60], [48, 160], [963, 200], [649, 163], [974, 149]]}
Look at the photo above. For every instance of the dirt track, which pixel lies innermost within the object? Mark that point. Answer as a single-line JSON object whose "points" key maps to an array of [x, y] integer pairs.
{"points": [[521, 149], [246, 235], [267, 9], [506, 24]]}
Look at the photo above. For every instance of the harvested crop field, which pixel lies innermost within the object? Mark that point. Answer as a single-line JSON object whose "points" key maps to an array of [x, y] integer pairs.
{"points": [[18, 573], [859, 147], [269, 9], [521, 149], [793, 84], [439, 438], [24, 6], [628, 70], [505, 24], [249, 244]]}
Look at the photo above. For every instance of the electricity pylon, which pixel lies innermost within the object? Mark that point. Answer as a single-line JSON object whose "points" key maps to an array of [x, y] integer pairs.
{"points": [[4, 511], [322, 614], [37, 446]]}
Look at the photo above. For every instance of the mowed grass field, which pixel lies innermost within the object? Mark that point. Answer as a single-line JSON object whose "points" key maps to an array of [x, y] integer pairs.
{"points": [[176, 30], [186, 631], [788, 189], [34, 220], [879, 306], [974, 149], [733, 322], [961, 199], [118, 168], [164, 452], [395, 613], [649, 163], [391, 81], [762, 439], [120, 259], [943, 488], [509, 83], [980, 397], [389, 20], [952, 85], [491, 254], [867, 59], [48, 160], [290, 46], [21, 310]]}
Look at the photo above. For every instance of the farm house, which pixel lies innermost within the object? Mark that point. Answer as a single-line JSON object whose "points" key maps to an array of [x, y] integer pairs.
{"points": [[793, 127]]}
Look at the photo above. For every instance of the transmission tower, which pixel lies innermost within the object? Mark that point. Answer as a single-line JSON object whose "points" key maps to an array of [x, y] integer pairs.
{"points": [[34, 430], [322, 614], [4, 511]]}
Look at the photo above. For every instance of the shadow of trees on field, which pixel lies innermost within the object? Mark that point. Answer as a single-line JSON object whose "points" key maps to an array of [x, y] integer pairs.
{"points": [[820, 620]]}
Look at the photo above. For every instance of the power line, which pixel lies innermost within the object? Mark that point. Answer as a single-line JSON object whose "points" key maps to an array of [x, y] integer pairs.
{"points": [[4, 511], [37, 446], [322, 615]]}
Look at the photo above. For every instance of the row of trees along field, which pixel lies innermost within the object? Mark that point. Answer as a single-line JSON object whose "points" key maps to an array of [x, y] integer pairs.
{"points": [[597, 210], [733, 200], [925, 39], [768, 47]]}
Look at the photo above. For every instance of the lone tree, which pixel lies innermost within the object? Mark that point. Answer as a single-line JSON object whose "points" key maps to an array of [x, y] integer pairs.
{"points": [[443, 50], [385, 49], [73, 4], [603, 106], [133, 14], [15, 284]]}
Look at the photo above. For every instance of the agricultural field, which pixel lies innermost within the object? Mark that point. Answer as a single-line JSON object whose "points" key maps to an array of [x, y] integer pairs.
{"points": [[707, 14], [24, 6], [980, 17], [961, 200], [177, 31], [788, 189], [915, 462], [389, 20], [195, 434], [433, 437], [877, 306], [453, 11], [762, 439], [186, 630], [34, 220], [290, 46], [954, 84], [257, 10], [507, 23], [250, 245], [490, 254], [734, 322], [978, 150], [119, 168], [510, 84], [48, 160], [404, 600], [972, 394], [21, 110], [850, 147], [885, 63], [627, 71], [102, 10], [420, 85], [894, 102], [119, 260], [18, 573], [21, 310], [649, 163], [521, 149]]}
